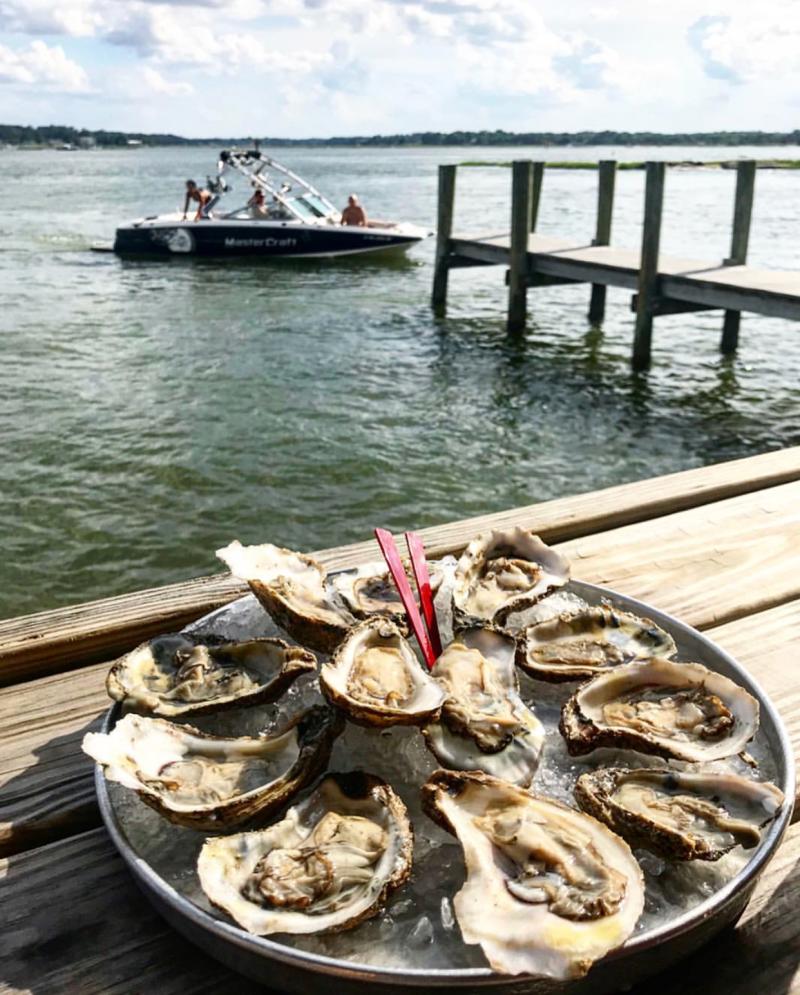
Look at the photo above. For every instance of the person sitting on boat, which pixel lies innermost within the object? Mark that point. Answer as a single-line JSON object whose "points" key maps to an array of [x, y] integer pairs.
{"points": [[203, 198], [257, 204], [354, 214]]}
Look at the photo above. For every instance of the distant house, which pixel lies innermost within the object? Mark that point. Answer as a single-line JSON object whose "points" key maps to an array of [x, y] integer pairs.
{"points": [[87, 142]]}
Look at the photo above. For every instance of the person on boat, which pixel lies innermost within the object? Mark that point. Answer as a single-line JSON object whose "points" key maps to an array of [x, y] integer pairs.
{"points": [[354, 214], [257, 204], [203, 198]]}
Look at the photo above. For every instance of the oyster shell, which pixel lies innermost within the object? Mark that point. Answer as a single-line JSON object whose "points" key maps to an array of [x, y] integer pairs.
{"points": [[484, 724], [668, 709], [327, 866], [578, 645], [680, 814], [207, 782], [374, 675], [549, 890], [503, 572], [175, 675], [293, 589], [369, 590]]}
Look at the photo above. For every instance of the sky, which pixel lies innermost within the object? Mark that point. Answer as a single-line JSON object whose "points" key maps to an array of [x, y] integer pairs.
{"points": [[300, 68]]}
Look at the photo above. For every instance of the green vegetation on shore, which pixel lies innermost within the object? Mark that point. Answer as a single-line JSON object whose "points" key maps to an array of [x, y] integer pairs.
{"points": [[49, 135]]}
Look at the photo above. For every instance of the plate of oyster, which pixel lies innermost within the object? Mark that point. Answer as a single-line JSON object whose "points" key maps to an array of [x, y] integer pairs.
{"points": [[580, 789]]}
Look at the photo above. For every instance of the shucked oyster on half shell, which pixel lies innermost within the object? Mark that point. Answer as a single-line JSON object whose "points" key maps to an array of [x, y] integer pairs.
{"points": [[175, 675], [484, 724], [578, 645], [328, 865], [503, 572], [208, 782], [549, 890], [374, 675], [668, 709], [369, 590], [680, 814], [293, 589]]}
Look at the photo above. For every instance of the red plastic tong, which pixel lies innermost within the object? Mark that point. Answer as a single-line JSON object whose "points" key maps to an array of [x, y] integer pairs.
{"points": [[427, 632]]}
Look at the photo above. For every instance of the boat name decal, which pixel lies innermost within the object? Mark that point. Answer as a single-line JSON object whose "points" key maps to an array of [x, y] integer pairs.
{"points": [[258, 243]]}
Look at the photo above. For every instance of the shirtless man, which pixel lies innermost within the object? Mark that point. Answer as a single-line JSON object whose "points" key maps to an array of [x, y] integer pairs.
{"points": [[354, 214], [203, 198]]}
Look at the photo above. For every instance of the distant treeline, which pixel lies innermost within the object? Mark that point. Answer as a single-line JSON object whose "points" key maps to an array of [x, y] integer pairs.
{"points": [[23, 135]]}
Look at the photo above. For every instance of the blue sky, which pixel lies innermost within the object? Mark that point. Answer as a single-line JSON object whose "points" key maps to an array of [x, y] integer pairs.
{"points": [[336, 67]]}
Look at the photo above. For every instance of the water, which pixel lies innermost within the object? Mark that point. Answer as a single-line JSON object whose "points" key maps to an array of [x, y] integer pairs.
{"points": [[152, 412]]}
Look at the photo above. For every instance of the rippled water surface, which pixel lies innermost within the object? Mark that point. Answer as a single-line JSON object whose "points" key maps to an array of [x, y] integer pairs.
{"points": [[151, 412]]}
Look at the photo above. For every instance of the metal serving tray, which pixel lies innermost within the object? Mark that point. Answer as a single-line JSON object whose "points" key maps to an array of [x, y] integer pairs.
{"points": [[286, 968]]}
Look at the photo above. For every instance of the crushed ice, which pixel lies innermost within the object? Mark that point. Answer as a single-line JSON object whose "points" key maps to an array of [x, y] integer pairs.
{"points": [[418, 928]]}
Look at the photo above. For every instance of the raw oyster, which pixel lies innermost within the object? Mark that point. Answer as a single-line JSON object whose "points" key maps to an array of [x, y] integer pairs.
{"points": [[375, 676], [293, 589], [668, 709], [502, 572], [685, 815], [207, 782], [576, 646], [549, 890], [369, 590], [484, 724], [175, 675], [327, 866]]}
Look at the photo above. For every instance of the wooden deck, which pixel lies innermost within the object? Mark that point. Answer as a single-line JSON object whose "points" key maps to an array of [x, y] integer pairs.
{"points": [[738, 288], [664, 285], [717, 546]]}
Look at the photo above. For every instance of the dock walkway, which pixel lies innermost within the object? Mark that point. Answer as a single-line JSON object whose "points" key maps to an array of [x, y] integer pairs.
{"points": [[663, 284]]}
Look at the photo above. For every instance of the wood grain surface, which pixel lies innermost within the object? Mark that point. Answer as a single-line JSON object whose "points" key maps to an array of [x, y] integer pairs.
{"points": [[74, 922], [64, 638]]}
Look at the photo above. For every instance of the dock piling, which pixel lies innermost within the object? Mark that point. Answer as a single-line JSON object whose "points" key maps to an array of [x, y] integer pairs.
{"points": [[522, 186], [444, 230], [536, 192], [740, 237], [647, 297], [607, 172]]}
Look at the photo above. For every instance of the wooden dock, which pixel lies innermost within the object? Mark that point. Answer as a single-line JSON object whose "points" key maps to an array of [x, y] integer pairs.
{"points": [[716, 546], [662, 284]]}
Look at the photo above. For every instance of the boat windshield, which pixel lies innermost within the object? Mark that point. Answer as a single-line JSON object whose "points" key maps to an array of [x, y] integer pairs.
{"points": [[310, 207]]}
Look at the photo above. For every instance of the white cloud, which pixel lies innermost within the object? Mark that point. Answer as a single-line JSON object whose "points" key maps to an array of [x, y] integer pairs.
{"points": [[361, 66], [156, 83], [743, 48], [42, 66]]}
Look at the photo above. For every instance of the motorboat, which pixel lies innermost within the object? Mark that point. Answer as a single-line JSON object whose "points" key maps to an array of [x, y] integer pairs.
{"points": [[290, 218]]}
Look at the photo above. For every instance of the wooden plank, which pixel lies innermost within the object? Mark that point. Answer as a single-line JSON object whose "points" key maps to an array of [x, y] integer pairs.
{"points": [[740, 238], [648, 271], [45, 781], [75, 922], [521, 199], [606, 176], [709, 565], [667, 305], [775, 293], [444, 227], [46, 786], [57, 640]]}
